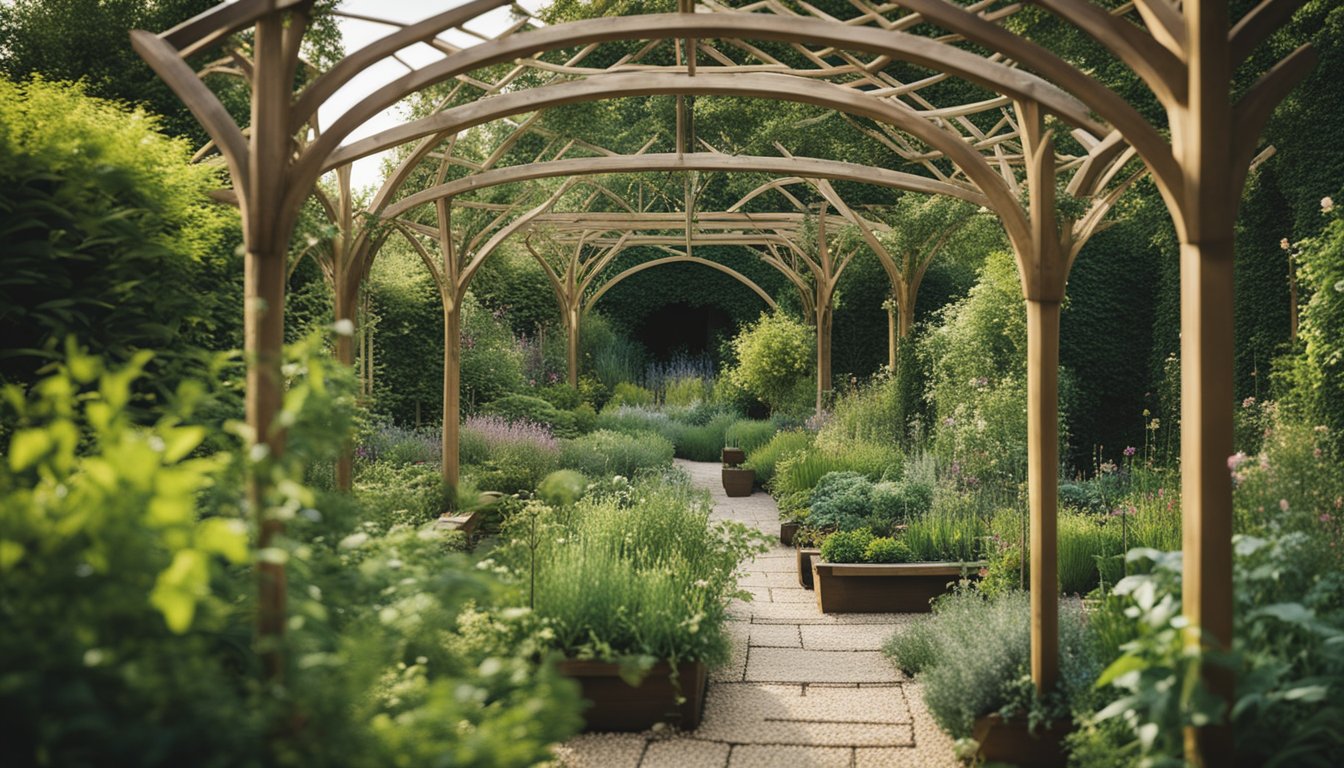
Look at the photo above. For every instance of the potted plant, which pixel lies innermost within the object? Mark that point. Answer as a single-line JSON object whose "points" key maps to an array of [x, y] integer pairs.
{"points": [[858, 572], [638, 630], [738, 481], [1010, 739], [789, 523], [733, 457], [807, 542]]}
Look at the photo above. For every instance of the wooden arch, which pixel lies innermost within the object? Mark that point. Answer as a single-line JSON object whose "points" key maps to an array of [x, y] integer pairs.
{"points": [[1185, 53]]}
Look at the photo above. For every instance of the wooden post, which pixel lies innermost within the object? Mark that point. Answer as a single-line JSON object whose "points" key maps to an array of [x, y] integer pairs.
{"points": [[572, 319], [264, 272], [452, 389], [891, 335], [344, 310], [1043, 487]]}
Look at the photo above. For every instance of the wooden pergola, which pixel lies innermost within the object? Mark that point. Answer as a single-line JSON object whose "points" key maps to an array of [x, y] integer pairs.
{"points": [[1184, 53]]}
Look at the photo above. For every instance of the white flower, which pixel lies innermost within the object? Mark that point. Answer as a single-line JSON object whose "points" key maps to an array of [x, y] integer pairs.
{"points": [[344, 327], [1284, 244], [1327, 204]]}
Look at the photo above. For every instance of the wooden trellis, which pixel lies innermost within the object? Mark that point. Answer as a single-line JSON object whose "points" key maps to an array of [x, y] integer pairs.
{"points": [[1184, 53]]}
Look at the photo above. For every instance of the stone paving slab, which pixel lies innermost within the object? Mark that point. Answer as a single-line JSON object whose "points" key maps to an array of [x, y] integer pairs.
{"points": [[602, 750], [845, 637], [792, 714], [793, 757], [792, 595], [735, 670], [790, 665], [686, 753], [775, 636]]}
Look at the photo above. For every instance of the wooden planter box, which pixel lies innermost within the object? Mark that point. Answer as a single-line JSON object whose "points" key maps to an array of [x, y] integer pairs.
{"points": [[738, 482], [786, 532], [805, 558], [1009, 741], [734, 456], [884, 588], [619, 706]]}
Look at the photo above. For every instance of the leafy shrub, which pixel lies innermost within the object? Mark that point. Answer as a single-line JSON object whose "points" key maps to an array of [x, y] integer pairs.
{"points": [[641, 581], [492, 363], [766, 458], [608, 355], [685, 391], [972, 656], [626, 393], [509, 456], [774, 356], [895, 503], [885, 549], [872, 414], [749, 434], [535, 410], [804, 469], [633, 418], [605, 453], [585, 418], [700, 442], [842, 501], [399, 446], [560, 395], [846, 546], [393, 495]]}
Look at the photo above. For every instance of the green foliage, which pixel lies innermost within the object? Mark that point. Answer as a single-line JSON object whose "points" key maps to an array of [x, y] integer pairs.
{"points": [[585, 418], [774, 355], [841, 501], [492, 363], [972, 656], [685, 391], [561, 395], [626, 393], [517, 407], [895, 503], [846, 546], [562, 488], [766, 458], [749, 434], [391, 495], [605, 453], [802, 470], [701, 442], [885, 549], [109, 236], [642, 576], [608, 356], [1287, 658], [874, 413], [952, 531], [1314, 377]]}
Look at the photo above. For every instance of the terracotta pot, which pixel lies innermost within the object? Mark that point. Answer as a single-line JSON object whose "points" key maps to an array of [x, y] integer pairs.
{"points": [[734, 456], [786, 532], [805, 558], [884, 588], [1010, 741], [738, 482], [619, 706]]}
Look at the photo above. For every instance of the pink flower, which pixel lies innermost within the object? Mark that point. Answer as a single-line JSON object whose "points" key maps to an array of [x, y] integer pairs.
{"points": [[1131, 450], [1283, 505], [1236, 460], [1248, 402], [1325, 517]]}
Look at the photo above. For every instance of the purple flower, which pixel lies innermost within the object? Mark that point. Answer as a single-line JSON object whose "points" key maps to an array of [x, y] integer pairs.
{"points": [[498, 432], [1131, 450]]}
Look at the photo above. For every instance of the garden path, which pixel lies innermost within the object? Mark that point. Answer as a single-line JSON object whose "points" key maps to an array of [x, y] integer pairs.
{"points": [[802, 688]]}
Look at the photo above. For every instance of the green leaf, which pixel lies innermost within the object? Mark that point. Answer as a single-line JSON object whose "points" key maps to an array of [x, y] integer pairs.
{"points": [[224, 537], [11, 552], [1121, 666], [27, 447], [180, 441]]}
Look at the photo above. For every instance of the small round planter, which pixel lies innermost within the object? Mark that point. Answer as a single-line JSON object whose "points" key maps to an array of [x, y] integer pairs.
{"points": [[618, 706], [786, 533], [884, 588], [1010, 741], [738, 481], [734, 456]]}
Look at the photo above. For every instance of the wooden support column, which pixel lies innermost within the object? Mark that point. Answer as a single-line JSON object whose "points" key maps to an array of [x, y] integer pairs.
{"points": [[267, 240], [1043, 487], [452, 388], [572, 319], [346, 300], [891, 335]]}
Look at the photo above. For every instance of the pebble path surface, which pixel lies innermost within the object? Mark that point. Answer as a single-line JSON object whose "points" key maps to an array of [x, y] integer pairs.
{"points": [[802, 688]]}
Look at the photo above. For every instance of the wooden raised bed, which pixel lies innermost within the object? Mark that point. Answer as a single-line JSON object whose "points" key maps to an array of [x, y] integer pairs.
{"points": [[805, 557], [1010, 741], [619, 706], [884, 588], [738, 481], [734, 456]]}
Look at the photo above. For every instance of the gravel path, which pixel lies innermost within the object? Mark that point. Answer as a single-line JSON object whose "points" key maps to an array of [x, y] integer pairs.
{"points": [[802, 688]]}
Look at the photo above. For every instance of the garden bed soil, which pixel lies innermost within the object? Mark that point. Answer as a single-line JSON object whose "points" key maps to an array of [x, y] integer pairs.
{"points": [[805, 557], [734, 456], [1010, 741], [884, 588], [738, 482], [786, 532], [619, 706]]}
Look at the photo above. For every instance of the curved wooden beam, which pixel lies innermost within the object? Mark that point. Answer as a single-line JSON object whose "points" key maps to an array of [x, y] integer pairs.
{"points": [[698, 161], [682, 259], [769, 86], [923, 51]]}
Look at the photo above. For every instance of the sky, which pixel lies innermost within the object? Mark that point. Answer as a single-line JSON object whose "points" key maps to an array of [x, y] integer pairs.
{"points": [[356, 34]]}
